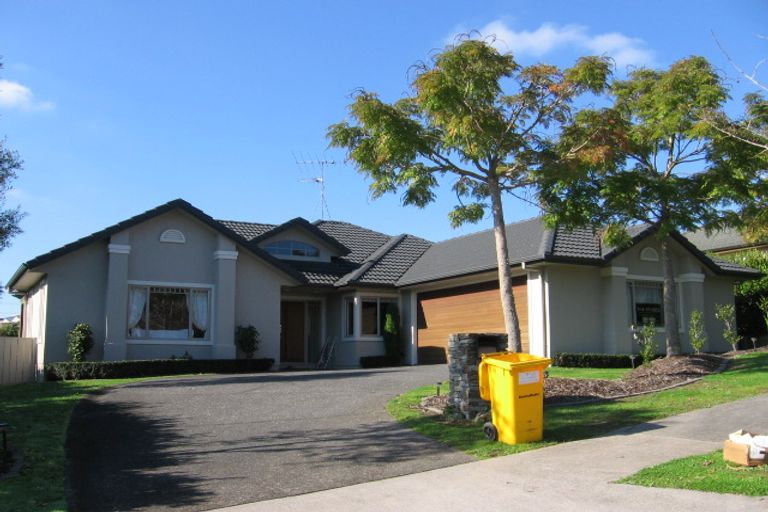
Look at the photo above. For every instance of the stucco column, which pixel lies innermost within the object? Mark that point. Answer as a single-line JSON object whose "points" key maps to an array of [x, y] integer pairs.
{"points": [[617, 338], [225, 259], [116, 303], [692, 296]]}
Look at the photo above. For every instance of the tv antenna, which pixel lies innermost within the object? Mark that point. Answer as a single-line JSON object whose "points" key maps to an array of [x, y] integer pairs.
{"points": [[317, 166]]}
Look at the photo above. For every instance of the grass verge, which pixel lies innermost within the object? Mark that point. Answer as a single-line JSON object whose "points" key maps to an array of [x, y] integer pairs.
{"points": [[747, 376], [704, 473], [38, 415]]}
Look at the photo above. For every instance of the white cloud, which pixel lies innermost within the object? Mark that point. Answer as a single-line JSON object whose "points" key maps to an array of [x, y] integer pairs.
{"points": [[550, 37], [18, 96]]}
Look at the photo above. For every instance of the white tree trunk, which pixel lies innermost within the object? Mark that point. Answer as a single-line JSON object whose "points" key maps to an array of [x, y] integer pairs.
{"points": [[671, 324], [511, 322]]}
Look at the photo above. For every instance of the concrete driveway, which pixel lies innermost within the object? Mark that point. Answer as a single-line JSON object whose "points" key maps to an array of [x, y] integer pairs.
{"points": [[206, 442]]}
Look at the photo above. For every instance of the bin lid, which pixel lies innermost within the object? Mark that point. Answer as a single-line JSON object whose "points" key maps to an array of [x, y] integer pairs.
{"points": [[515, 360]]}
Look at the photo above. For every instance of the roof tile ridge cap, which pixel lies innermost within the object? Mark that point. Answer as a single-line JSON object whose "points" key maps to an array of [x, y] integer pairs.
{"points": [[246, 222], [371, 260]]}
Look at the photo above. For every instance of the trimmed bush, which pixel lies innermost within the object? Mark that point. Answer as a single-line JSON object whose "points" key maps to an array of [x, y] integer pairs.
{"points": [[151, 368], [79, 342], [591, 360], [247, 338], [379, 361]]}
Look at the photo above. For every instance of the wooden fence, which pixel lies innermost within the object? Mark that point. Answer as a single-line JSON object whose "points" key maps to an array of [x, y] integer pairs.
{"points": [[18, 359]]}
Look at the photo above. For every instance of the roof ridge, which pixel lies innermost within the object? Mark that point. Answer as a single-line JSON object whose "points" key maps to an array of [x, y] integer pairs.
{"points": [[372, 259]]}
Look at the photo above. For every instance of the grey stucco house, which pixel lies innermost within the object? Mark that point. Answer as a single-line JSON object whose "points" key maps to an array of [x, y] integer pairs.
{"points": [[173, 280]]}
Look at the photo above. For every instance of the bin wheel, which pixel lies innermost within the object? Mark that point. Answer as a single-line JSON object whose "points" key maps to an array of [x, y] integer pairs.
{"points": [[490, 432]]}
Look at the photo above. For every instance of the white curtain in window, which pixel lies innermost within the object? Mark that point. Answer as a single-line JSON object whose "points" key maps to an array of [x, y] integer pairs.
{"points": [[648, 293], [138, 298], [198, 307]]}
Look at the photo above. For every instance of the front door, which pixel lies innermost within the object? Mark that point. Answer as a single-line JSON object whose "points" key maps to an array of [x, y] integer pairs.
{"points": [[292, 333]]}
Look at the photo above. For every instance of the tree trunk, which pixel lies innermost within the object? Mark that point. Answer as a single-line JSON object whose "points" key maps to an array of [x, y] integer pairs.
{"points": [[671, 324], [511, 322]]}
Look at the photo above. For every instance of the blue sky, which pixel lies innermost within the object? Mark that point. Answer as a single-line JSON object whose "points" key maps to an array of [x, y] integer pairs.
{"points": [[116, 107]]}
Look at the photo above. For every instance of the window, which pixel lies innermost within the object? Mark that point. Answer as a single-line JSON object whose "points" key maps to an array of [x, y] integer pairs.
{"points": [[649, 254], [292, 248], [369, 317], [646, 300], [349, 308], [168, 313]]}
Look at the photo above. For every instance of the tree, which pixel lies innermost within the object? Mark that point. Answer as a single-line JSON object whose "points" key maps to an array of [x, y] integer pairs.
{"points": [[10, 164], [650, 159], [460, 123]]}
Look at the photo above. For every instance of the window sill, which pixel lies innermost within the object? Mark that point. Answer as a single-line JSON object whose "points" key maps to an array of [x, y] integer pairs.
{"points": [[168, 341]]}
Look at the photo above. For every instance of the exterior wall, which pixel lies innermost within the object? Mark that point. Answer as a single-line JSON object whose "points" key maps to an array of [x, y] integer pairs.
{"points": [[575, 308], [257, 302], [76, 288], [35, 305], [717, 291]]}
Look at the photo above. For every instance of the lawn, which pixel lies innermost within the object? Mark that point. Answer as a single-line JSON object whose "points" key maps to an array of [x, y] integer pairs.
{"points": [[747, 376], [39, 415], [704, 473]]}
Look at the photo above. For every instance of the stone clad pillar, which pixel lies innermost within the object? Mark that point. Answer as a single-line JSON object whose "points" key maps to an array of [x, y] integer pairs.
{"points": [[225, 259], [116, 301], [463, 362]]}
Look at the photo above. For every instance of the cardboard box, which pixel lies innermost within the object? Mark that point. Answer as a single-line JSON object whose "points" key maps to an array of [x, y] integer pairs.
{"points": [[738, 453]]}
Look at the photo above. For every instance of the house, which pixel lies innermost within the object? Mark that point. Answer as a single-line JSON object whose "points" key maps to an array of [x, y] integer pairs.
{"points": [[173, 280], [725, 241]]}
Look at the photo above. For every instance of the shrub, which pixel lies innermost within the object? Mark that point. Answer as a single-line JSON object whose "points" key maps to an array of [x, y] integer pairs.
{"points": [[9, 330], [646, 341], [696, 331], [726, 313], [392, 332], [247, 338], [378, 361], [592, 360], [152, 368], [79, 342]]}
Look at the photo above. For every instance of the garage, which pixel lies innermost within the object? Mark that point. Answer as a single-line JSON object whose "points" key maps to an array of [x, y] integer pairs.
{"points": [[474, 308]]}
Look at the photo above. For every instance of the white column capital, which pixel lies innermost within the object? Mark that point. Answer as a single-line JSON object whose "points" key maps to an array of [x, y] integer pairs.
{"points": [[225, 255], [119, 249]]}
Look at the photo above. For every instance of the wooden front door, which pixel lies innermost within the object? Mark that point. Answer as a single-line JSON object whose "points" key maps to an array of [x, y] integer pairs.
{"points": [[292, 332]]}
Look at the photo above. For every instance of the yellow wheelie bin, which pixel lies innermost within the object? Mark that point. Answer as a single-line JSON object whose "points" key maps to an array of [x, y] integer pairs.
{"points": [[514, 383]]}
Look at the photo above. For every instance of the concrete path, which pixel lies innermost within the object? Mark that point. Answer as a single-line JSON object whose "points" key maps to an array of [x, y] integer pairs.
{"points": [[205, 442], [568, 477]]}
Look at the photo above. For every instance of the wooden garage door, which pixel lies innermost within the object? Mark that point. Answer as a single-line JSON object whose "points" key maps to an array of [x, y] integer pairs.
{"points": [[475, 308]]}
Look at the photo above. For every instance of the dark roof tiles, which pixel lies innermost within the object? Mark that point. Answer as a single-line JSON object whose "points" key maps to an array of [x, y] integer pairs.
{"points": [[248, 230]]}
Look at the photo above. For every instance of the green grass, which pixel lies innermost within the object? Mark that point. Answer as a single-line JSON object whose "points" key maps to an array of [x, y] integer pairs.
{"points": [[705, 473], [747, 376], [38, 415], [588, 373]]}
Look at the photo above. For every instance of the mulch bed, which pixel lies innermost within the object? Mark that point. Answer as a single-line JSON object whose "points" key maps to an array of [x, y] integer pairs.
{"points": [[663, 373]]}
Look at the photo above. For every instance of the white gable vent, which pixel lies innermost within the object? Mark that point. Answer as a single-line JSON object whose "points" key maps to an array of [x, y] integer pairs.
{"points": [[649, 254], [173, 236]]}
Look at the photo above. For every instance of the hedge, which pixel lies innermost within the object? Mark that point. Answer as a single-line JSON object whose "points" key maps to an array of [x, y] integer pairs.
{"points": [[379, 361], [574, 360], [152, 368]]}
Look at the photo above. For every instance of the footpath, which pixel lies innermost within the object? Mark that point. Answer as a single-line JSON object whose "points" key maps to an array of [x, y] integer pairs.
{"points": [[568, 477]]}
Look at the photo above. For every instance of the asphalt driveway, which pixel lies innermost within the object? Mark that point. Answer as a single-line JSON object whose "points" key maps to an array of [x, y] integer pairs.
{"points": [[207, 442]]}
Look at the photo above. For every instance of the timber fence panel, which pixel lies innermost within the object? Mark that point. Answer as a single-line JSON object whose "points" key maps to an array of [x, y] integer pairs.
{"points": [[18, 359]]}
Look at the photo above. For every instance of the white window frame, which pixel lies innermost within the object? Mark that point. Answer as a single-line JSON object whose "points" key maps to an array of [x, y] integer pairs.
{"points": [[632, 278], [208, 340], [357, 325], [293, 245]]}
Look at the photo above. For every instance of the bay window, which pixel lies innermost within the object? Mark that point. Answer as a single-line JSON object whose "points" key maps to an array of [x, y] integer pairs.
{"points": [[173, 313], [372, 316]]}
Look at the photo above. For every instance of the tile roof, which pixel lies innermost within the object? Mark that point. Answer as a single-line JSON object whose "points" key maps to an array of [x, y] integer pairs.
{"points": [[530, 241], [728, 238], [248, 230], [361, 242]]}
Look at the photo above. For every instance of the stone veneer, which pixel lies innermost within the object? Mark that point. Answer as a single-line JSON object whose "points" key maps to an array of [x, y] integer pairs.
{"points": [[463, 360]]}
